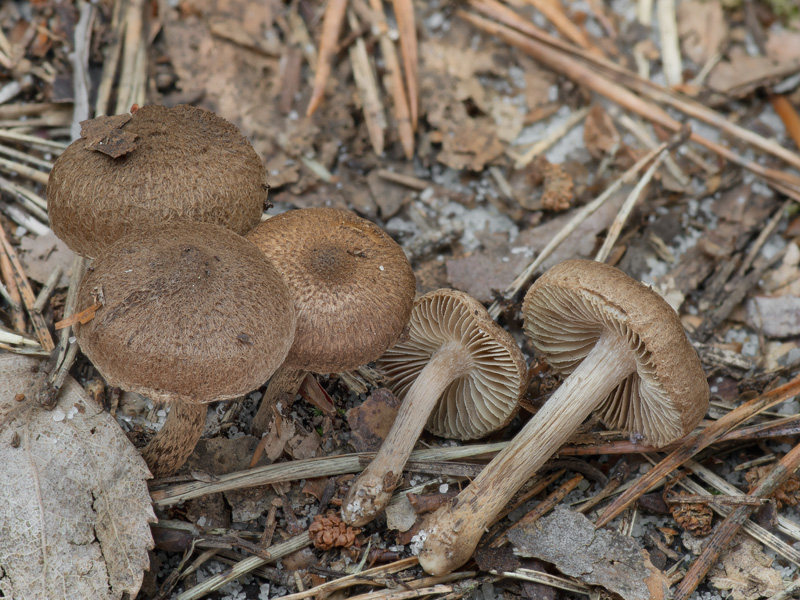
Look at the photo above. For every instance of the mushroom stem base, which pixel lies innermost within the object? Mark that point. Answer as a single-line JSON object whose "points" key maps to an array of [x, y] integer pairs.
{"points": [[371, 491], [453, 531], [283, 385], [176, 440]]}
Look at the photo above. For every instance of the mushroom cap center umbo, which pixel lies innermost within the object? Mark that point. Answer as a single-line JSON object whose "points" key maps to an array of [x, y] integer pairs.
{"points": [[189, 310], [352, 285], [574, 303]]}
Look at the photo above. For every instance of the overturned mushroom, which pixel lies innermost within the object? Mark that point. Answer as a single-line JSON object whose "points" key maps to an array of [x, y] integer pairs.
{"points": [[627, 357], [352, 287], [187, 164], [191, 313], [458, 372]]}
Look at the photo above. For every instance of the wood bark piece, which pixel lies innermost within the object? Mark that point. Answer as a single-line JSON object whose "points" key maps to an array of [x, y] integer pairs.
{"points": [[605, 558]]}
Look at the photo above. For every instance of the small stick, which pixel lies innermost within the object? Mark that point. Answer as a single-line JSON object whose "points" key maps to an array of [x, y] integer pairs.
{"points": [[721, 500], [694, 443], [79, 58], [522, 161], [627, 207], [134, 42], [641, 134], [15, 136], [48, 289], [24, 287], [726, 530], [331, 29], [368, 89], [584, 213], [111, 56], [21, 217], [767, 231], [25, 194], [672, 65], [404, 13], [45, 164], [415, 183], [644, 12]]}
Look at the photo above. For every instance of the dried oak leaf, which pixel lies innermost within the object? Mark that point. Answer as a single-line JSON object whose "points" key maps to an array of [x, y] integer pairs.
{"points": [[331, 532], [74, 506], [746, 572], [694, 517], [786, 495], [106, 134]]}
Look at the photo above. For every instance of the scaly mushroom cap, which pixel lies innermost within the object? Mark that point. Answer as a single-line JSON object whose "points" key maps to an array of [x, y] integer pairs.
{"points": [[352, 285], [486, 397], [570, 306], [187, 164], [190, 311]]}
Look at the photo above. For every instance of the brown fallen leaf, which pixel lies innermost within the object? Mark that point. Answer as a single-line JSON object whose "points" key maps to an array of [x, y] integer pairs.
{"points": [[599, 133], [73, 497], [106, 134], [370, 421], [599, 557], [746, 573]]}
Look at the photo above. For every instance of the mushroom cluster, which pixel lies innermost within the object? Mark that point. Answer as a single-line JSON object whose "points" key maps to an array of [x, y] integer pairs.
{"points": [[627, 358]]}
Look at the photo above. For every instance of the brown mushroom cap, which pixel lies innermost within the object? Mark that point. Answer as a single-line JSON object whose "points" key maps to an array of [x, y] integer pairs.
{"points": [[352, 285], [191, 311], [486, 396], [574, 302], [187, 164]]}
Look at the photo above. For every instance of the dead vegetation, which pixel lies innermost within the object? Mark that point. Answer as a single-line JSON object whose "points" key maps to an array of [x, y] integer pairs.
{"points": [[492, 139]]}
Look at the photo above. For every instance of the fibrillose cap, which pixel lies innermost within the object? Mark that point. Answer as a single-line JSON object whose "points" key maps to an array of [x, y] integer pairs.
{"points": [[353, 286], [484, 399], [570, 306], [188, 164], [191, 311]]}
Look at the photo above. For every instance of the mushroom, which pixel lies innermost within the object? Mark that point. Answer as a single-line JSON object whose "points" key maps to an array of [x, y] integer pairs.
{"points": [[627, 357], [352, 286], [458, 372], [186, 164], [190, 313]]}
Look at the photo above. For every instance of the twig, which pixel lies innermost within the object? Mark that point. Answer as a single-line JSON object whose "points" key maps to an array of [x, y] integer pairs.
{"points": [[45, 164], [24, 170], [331, 29], [48, 289], [696, 442], [554, 12], [726, 530], [584, 213], [111, 56], [789, 116], [555, 581], [641, 134], [367, 88], [130, 79], [404, 13]]}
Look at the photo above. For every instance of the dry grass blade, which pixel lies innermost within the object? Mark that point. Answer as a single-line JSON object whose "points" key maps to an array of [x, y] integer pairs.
{"points": [[524, 278], [670, 51], [367, 86], [522, 161], [331, 29], [354, 579], [725, 531], [696, 442], [275, 552], [112, 53], [23, 170], [404, 13], [303, 469], [405, 128], [12, 291]]}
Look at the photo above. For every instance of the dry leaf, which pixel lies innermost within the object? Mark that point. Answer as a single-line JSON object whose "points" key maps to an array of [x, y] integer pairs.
{"points": [[74, 505], [370, 421], [746, 573], [595, 556], [774, 317], [599, 133], [702, 29], [106, 134], [41, 254]]}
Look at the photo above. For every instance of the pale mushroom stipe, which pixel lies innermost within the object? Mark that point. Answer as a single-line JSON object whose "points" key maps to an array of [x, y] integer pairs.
{"points": [[352, 288], [186, 164], [627, 357], [190, 313], [458, 373]]}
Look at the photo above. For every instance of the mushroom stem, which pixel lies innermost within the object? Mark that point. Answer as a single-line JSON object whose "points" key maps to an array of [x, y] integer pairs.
{"points": [[283, 385], [371, 491], [176, 440], [452, 533]]}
